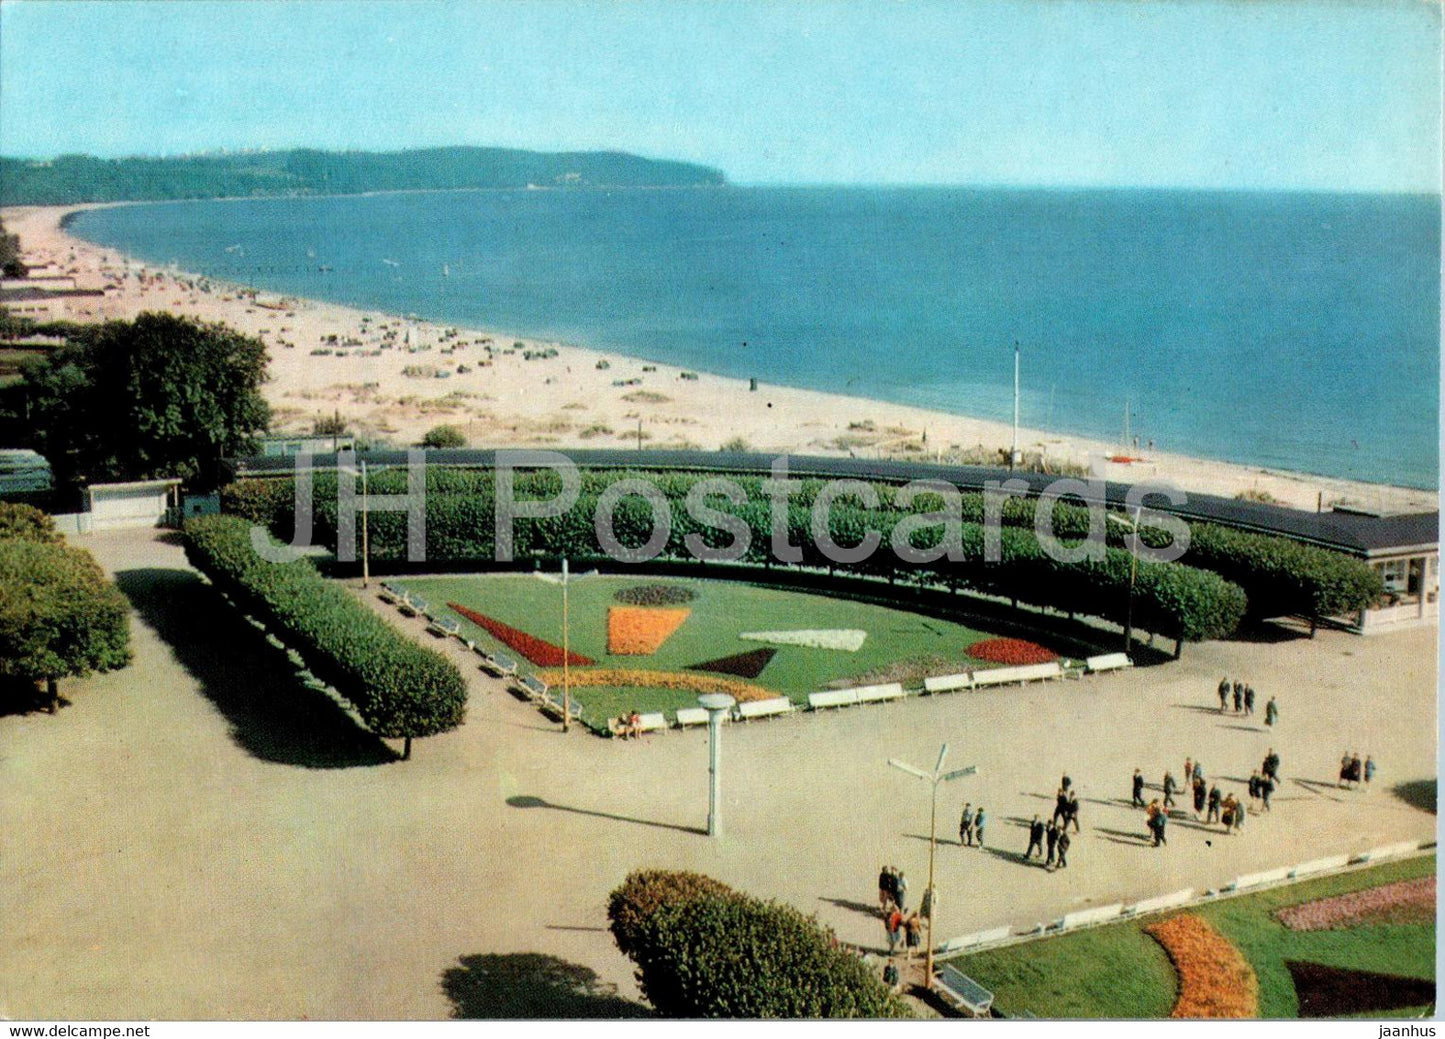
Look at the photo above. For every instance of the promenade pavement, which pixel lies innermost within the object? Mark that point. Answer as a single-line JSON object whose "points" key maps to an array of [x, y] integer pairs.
{"points": [[197, 837]]}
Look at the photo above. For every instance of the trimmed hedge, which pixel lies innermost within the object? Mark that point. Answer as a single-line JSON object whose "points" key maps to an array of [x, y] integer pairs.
{"points": [[1197, 598], [400, 689], [705, 951]]}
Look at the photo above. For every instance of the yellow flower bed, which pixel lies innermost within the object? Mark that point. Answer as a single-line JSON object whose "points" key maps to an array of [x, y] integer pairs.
{"points": [[1215, 980], [640, 631], [625, 678]]}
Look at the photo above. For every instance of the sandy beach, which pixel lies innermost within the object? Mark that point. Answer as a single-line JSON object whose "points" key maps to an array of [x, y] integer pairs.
{"points": [[392, 378]]}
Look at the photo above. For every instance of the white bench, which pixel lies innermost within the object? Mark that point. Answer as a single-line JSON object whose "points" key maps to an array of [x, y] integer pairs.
{"points": [[691, 716], [1305, 869], [962, 991], [1085, 917], [833, 698], [948, 683], [1158, 902], [645, 723], [1268, 876], [879, 693], [1023, 673], [749, 709], [978, 938], [1108, 662]]}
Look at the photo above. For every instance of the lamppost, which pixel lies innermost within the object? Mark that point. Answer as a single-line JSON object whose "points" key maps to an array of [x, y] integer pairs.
{"points": [[565, 580], [1132, 525], [937, 777], [716, 705]]}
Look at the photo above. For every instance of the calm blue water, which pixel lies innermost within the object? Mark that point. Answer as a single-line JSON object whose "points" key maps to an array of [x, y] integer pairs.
{"points": [[1288, 330]]}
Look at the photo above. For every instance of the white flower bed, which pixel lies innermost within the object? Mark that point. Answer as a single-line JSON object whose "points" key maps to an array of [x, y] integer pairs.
{"points": [[848, 639]]}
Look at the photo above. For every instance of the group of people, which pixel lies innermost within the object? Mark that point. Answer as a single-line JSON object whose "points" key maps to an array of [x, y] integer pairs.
{"points": [[1210, 804], [971, 826], [901, 925], [627, 726], [1241, 696], [1054, 837], [1351, 771], [1066, 805]]}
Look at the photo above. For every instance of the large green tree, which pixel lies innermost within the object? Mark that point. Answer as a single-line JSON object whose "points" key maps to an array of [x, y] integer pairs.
{"points": [[159, 396], [59, 615]]}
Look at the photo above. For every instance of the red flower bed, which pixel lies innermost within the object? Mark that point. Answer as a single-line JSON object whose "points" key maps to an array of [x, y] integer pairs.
{"points": [[1406, 901], [1011, 651], [538, 651]]}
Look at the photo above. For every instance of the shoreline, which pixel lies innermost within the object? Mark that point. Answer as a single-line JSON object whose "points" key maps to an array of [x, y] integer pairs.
{"points": [[381, 374]]}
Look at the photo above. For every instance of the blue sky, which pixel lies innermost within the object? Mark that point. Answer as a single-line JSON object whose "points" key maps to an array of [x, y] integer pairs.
{"points": [[1337, 95]]}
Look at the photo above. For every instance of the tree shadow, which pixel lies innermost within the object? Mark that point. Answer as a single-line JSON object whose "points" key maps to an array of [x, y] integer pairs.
{"points": [[530, 985], [1418, 793], [528, 801], [254, 686], [21, 696]]}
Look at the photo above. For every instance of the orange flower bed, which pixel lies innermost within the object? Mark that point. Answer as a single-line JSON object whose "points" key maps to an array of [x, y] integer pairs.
{"points": [[625, 678], [1215, 980], [640, 631]]}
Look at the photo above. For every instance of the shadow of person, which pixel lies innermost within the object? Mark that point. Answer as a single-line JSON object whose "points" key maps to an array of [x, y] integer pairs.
{"points": [[252, 684], [528, 801], [530, 985]]}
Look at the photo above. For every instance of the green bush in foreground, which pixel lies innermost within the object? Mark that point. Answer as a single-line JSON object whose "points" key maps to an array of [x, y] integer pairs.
{"points": [[59, 615], [27, 523], [705, 951], [401, 690]]}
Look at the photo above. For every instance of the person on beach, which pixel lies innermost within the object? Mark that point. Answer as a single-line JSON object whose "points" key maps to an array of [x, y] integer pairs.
{"points": [[1064, 843], [979, 820], [1248, 700], [1271, 713], [1223, 695], [1138, 789], [965, 825], [1213, 816], [1169, 786], [1051, 841], [1369, 770], [1036, 838]]}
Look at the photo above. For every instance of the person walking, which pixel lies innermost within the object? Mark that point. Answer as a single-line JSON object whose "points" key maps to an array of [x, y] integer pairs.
{"points": [[1254, 779], [885, 889], [1344, 769], [1169, 787], [1061, 804], [1073, 816], [900, 892], [1369, 770], [1188, 771], [1236, 815], [1064, 843], [1223, 695], [1138, 789], [979, 821], [1198, 769], [1271, 765], [930, 901], [1051, 840], [1036, 838], [1266, 787], [1199, 794], [914, 931], [1151, 820], [1238, 697], [1249, 699], [965, 826], [1271, 713], [1227, 817], [1213, 816], [1356, 769], [893, 924]]}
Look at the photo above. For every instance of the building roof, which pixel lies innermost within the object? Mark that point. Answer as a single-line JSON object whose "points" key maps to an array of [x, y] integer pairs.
{"points": [[1357, 533]]}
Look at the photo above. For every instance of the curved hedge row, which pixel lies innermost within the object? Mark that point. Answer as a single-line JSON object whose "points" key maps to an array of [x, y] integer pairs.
{"points": [[704, 950], [400, 689], [1171, 598]]}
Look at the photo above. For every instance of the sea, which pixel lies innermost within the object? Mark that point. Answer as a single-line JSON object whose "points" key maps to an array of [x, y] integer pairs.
{"points": [[1297, 331]]}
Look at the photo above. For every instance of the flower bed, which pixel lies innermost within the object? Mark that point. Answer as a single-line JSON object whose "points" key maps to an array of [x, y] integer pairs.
{"points": [[538, 651], [744, 665], [636, 631], [847, 639], [655, 595], [626, 678], [1011, 651], [1215, 980], [1404, 902]]}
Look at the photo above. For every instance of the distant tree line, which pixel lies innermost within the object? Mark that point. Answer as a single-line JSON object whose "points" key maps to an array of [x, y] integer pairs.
{"points": [[83, 178]]}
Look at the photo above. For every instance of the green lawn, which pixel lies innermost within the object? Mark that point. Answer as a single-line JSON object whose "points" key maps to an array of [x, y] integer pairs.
{"points": [[904, 644], [1119, 971]]}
